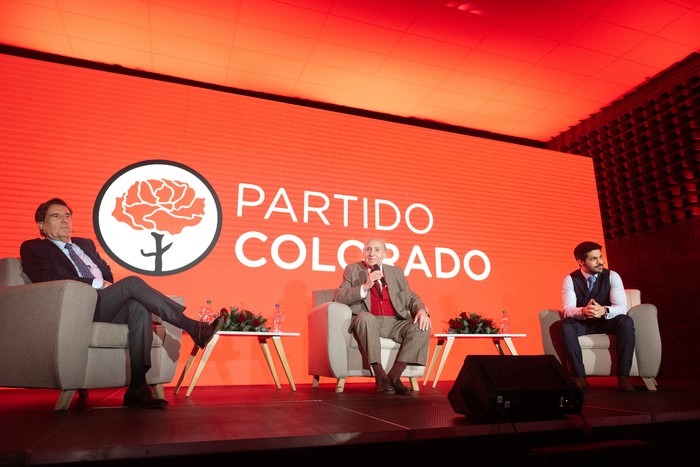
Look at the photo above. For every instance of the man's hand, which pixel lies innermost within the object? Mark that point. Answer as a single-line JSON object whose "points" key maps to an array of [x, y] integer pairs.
{"points": [[593, 310], [423, 320], [372, 277]]}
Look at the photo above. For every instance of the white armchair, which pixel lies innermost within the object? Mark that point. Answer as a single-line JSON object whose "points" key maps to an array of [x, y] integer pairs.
{"points": [[598, 350], [333, 351], [48, 339]]}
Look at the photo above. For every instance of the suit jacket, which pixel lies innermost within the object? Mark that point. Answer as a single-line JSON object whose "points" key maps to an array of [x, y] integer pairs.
{"points": [[43, 260], [405, 301]]}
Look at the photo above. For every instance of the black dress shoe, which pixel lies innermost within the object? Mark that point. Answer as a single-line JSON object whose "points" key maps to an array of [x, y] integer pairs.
{"points": [[624, 385], [142, 397], [582, 383], [205, 331], [384, 387], [400, 389]]}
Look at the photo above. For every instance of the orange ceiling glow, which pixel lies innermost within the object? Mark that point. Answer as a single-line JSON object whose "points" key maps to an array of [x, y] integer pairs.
{"points": [[528, 69]]}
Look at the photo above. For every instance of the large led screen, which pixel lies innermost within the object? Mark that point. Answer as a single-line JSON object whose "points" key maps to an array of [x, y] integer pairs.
{"points": [[280, 197]]}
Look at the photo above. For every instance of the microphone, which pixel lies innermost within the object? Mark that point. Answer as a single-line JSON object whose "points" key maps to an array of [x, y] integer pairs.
{"points": [[378, 284]]}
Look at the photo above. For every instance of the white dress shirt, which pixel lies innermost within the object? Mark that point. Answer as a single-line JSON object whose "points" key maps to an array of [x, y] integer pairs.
{"points": [[618, 297]]}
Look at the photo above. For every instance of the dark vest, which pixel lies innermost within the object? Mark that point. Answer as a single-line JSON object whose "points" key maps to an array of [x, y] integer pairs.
{"points": [[600, 292]]}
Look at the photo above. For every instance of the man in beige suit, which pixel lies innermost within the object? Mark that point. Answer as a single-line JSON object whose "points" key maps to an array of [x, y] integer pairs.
{"points": [[383, 305]]}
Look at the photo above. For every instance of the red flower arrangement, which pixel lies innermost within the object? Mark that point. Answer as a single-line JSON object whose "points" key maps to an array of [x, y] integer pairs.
{"points": [[242, 320], [471, 324]]}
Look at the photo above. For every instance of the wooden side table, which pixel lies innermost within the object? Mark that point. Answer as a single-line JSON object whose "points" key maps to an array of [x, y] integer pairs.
{"points": [[262, 339], [444, 345]]}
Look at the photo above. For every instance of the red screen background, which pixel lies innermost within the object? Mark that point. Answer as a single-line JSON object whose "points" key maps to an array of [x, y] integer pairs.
{"points": [[66, 130]]}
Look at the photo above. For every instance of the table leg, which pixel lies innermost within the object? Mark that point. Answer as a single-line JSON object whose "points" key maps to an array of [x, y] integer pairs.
{"points": [[497, 343], [511, 347], [202, 363], [268, 359], [433, 359], [186, 370], [445, 353], [509, 344], [283, 358]]}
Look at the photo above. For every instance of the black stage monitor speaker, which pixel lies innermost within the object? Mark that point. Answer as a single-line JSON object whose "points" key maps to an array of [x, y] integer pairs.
{"points": [[514, 387]]}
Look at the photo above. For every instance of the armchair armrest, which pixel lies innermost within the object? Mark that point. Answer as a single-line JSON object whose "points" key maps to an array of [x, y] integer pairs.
{"points": [[648, 339], [549, 326], [44, 334], [329, 339]]}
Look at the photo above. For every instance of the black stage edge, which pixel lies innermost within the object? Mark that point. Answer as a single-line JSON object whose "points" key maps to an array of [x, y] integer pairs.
{"points": [[261, 425]]}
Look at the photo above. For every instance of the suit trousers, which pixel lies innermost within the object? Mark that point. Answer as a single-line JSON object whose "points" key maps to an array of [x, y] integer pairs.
{"points": [[131, 301], [621, 326], [368, 328]]}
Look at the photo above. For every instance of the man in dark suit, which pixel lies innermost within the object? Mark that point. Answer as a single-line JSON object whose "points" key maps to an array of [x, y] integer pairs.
{"points": [[383, 305], [594, 301], [128, 301]]}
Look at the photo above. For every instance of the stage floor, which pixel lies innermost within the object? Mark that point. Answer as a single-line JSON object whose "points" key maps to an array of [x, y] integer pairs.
{"points": [[261, 425]]}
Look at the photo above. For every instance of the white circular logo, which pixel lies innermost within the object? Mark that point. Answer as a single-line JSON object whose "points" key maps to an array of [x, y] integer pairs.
{"points": [[157, 217]]}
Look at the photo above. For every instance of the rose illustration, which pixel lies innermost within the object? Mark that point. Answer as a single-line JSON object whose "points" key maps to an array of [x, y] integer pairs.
{"points": [[160, 206]]}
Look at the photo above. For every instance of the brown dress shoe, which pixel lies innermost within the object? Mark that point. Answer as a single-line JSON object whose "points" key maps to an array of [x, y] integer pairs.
{"points": [[142, 397], [624, 385], [399, 387], [582, 383], [384, 387], [205, 331]]}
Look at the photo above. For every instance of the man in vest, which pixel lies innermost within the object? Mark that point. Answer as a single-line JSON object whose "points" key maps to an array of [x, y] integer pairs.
{"points": [[594, 302]]}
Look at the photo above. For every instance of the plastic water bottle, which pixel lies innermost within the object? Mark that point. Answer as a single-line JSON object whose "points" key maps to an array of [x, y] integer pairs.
{"points": [[206, 313], [277, 318], [505, 323]]}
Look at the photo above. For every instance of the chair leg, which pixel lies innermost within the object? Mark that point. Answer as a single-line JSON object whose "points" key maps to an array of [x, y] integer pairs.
{"points": [[64, 399], [340, 385], [650, 382], [158, 391], [414, 383], [315, 381]]}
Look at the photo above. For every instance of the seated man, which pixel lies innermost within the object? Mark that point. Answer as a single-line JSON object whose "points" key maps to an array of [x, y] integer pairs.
{"points": [[128, 301], [383, 305], [594, 302]]}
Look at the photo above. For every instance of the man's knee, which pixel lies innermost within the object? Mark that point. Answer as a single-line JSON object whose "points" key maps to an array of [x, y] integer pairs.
{"points": [[415, 332], [625, 324], [568, 326], [625, 320], [365, 319], [134, 282]]}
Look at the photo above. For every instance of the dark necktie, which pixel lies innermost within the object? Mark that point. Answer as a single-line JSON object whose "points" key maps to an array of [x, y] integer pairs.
{"points": [[378, 284], [83, 268], [591, 282]]}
